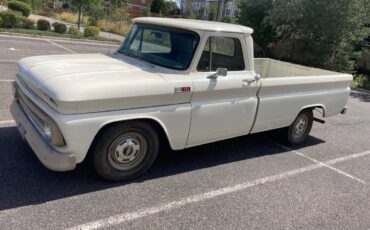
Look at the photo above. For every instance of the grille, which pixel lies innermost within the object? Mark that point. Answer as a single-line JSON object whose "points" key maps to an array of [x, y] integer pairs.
{"points": [[38, 117]]}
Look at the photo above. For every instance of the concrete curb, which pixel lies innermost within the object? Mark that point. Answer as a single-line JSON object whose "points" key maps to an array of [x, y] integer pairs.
{"points": [[20, 35], [69, 24], [360, 90]]}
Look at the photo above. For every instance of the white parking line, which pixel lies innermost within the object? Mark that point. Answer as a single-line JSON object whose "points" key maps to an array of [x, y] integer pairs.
{"points": [[130, 216], [53, 43], [322, 163], [58, 40], [6, 80], [7, 123], [346, 158], [125, 217], [8, 61], [32, 50]]}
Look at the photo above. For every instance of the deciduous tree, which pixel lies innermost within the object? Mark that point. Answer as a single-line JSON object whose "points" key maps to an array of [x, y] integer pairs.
{"points": [[253, 13], [158, 6], [319, 33], [82, 6]]}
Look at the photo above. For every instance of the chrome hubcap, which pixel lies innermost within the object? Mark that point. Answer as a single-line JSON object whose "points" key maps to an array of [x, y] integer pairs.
{"points": [[127, 151], [300, 126]]}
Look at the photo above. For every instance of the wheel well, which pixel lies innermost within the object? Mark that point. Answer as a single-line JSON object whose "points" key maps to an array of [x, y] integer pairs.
{"points": [[319, 108], [162, 136]]}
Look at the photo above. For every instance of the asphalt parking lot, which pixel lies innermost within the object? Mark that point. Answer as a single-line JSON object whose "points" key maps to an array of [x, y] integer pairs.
{"points": [[251, 182]]}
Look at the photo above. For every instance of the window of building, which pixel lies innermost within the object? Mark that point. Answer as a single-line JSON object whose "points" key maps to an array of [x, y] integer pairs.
{"points": [[229, 8], [196, 5]]}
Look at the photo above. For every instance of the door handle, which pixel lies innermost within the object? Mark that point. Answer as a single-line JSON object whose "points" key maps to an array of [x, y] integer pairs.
{"points": [[251, 80], [248, 81]]}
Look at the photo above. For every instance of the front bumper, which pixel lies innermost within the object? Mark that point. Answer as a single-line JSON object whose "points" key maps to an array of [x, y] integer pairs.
{"points": [[48, 156]]}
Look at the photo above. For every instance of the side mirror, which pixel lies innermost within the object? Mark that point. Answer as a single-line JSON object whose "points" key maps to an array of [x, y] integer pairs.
{"points": [[219, 72]]}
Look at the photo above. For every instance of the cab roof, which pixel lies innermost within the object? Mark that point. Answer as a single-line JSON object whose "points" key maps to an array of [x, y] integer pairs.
{"points": [[192, 24]]}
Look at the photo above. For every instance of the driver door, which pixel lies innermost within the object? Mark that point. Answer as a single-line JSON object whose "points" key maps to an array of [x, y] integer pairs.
{"points": [[222, 106]]}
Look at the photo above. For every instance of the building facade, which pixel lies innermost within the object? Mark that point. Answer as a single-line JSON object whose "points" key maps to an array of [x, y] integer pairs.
{"points": [[202, 9], [136, 8]]}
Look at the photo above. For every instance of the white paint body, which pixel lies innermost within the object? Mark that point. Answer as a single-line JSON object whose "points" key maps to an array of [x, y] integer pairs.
{"points": [[90, 91]]}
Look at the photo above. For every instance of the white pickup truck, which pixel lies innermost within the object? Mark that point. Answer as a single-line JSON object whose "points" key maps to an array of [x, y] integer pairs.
{"points": [[177, 81]]}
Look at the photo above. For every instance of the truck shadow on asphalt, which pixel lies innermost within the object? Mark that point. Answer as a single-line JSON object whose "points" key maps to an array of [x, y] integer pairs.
{"points": [[24, 181]]}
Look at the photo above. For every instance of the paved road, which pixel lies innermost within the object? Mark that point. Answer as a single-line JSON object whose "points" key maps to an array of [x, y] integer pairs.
{"points": [[242, 183]]}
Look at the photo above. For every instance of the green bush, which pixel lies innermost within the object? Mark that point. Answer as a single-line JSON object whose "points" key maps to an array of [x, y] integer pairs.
{"points": [[25, 23], [9, 19], [361, 81], [59, 28], [91, 31], [29, 24], [43, 25], [25, 1], [74, 31], [22, 7], [226, 19]]}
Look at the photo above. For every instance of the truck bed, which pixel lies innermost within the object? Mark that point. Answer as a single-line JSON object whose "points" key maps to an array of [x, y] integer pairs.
{"points": [[286, 89], [270, 68]]}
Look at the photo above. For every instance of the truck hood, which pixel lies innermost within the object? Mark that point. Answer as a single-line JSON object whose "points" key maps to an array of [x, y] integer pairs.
{"points": [[81, 83]]}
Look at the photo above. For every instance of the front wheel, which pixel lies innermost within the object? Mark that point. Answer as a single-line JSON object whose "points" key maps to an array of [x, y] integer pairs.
{"points": [[125, 151], [297, 133]]}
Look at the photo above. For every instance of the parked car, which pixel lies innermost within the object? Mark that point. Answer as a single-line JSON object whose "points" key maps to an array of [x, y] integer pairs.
{"points": [[187, 82]]}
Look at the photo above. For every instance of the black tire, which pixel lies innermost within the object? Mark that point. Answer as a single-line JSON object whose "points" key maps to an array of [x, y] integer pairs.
{"points": [[298, 132], [125, 151]]}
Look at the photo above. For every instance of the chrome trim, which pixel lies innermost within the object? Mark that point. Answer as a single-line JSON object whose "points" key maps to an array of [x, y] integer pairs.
{"points": [[50, 157], [27, 112], [39, 118]]}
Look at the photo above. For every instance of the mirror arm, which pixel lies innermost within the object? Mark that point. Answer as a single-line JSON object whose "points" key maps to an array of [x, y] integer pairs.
{"points": [[219, 72], [213, 76]]}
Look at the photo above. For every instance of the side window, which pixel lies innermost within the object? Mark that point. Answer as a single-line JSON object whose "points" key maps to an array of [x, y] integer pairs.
{"points": [[221, 52]]}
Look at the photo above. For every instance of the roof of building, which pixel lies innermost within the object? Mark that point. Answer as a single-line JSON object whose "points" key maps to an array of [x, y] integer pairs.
{"points": [[192, 24]]}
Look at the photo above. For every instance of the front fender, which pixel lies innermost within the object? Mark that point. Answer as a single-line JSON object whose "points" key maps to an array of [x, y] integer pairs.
{"points": [[79, 130]]}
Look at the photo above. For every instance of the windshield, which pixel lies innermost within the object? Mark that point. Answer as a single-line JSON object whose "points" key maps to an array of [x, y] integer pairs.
{"points": [[168, 47]]}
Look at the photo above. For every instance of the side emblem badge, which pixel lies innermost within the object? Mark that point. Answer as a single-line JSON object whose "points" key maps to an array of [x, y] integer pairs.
{"points": [[185, 89]]}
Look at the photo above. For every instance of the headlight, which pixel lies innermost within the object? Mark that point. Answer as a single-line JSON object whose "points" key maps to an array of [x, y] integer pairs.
{"points": [[47, 132], [52, 133]]}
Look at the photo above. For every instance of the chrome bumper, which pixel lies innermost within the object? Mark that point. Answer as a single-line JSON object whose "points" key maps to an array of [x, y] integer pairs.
{"points": [[48, 156]]}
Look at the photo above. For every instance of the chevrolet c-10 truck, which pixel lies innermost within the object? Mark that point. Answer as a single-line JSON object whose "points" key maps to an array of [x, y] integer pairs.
{"points": [[177, 81]]}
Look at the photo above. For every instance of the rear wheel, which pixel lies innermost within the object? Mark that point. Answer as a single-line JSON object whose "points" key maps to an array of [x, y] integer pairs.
{"points": [[125, 151], [299, 130]]}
